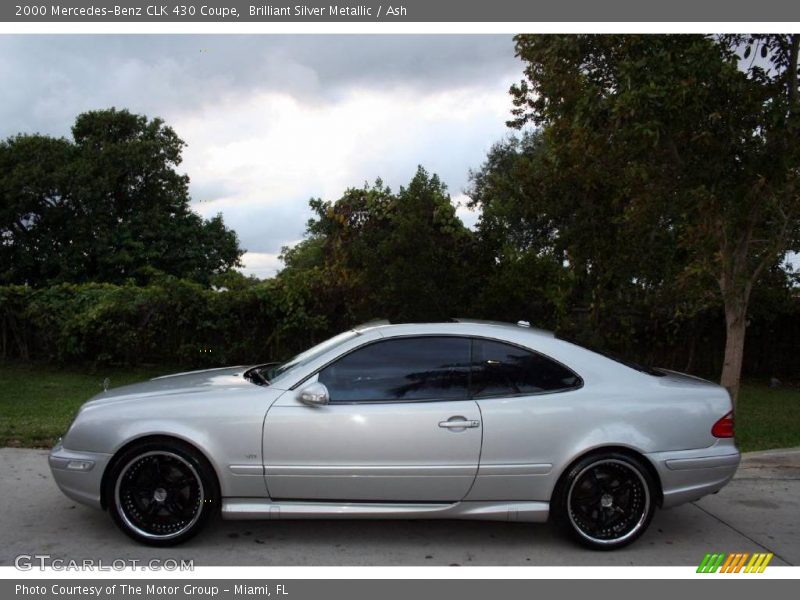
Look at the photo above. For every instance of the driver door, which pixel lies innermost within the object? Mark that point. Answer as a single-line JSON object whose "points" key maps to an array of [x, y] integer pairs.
{"points": [[398, 427]]}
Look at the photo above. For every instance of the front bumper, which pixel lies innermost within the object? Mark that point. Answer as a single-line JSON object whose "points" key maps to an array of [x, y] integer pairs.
{"points": [[79, 474], [688, 475]]}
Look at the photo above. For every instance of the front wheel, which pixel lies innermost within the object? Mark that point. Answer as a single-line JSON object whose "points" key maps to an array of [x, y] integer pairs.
{"points": [[161, 493], [606, 501]]}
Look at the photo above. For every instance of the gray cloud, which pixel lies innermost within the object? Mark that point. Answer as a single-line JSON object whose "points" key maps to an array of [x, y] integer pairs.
{"points": [[228, 96], [48, 79]]}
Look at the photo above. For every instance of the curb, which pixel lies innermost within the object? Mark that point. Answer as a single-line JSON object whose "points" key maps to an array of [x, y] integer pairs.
{"points": [[773, 452]]}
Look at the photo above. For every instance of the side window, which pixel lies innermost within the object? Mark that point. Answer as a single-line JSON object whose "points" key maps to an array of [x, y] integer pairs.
{"points": [[403, 369], [502, 369]]}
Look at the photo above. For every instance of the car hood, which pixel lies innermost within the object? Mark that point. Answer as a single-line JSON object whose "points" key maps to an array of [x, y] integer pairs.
{"points": [[192, 382]]}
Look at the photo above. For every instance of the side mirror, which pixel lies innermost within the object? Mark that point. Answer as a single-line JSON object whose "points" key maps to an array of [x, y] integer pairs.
{"points": [[315, 394]]}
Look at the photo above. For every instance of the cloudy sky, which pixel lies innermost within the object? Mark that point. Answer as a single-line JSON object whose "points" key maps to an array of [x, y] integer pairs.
{"points": [[271, 121]]}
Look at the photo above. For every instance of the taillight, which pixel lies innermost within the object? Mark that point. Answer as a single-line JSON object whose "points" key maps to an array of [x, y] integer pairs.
{"points": [[724, 427]]}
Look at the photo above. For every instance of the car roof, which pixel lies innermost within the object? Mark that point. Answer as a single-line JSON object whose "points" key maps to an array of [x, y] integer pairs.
{"points": [[453, 326]]}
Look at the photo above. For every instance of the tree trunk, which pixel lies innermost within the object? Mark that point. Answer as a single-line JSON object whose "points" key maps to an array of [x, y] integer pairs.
{"points": [[735, 324]]}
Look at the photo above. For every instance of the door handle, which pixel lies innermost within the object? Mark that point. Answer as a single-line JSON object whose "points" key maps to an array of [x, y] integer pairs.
{"points": [[459, 424]]}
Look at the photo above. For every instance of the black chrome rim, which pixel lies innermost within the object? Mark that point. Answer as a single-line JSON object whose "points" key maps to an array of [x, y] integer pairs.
{"points": [[159, 495], [608, 501]]}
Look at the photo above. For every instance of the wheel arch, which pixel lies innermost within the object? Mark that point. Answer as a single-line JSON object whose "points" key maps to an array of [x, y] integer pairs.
{"points": [[624, 450], [151, 438]]}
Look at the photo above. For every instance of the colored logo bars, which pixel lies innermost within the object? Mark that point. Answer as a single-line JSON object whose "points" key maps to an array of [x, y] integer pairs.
{"points": [[734, 563]]}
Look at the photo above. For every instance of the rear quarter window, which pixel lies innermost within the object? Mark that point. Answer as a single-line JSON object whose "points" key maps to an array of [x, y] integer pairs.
{"points": [[500, 369]]}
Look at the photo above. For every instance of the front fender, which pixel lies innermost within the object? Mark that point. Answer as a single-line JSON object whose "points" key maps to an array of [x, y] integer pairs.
{"points": [[226, 431]]}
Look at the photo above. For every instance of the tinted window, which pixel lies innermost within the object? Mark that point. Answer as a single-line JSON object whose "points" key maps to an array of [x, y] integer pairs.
{"points": [[425, 368], [501, 369]]}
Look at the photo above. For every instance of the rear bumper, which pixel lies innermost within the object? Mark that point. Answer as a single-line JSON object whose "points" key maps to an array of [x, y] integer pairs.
{"points": [[78, 474], [688, 475]]}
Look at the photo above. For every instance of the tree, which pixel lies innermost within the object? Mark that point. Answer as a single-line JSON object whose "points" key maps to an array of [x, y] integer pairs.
{"points": [[566, 247], [378, 254], [694, 142], [35, 210], [107, 206]]}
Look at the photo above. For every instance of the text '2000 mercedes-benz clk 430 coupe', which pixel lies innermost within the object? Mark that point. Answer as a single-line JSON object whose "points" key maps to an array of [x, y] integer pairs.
{"points": [[455, 420]]}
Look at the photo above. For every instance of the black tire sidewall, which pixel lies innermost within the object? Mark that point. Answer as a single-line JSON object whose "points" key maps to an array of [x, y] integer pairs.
{"points": [[561, 498], [204, 471]]}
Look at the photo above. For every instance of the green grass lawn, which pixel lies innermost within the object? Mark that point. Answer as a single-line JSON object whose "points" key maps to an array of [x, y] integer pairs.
{"points": [[767, 418], [37, 404]]}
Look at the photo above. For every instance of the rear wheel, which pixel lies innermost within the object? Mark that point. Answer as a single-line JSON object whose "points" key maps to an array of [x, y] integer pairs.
{"points": [[606, 500], [162, 493]]}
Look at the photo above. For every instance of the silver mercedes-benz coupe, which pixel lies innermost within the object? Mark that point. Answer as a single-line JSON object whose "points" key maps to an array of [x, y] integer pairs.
{"points": [[456, 420]]}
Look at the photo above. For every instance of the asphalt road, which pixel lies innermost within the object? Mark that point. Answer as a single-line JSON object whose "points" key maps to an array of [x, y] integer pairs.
{"points": [[757, 512]]}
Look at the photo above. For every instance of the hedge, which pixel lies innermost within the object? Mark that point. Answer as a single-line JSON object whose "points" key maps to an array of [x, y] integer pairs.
{"points": [[175, 322], [180, 323]]}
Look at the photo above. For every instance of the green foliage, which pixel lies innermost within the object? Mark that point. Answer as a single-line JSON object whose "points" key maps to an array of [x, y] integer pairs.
{"points": [[664, 172], [170, 322], [568, 250], [107, 206], [377, 254]]}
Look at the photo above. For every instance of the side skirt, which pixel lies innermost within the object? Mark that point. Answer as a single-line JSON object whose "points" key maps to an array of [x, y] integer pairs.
{"points": [[260, 508]]}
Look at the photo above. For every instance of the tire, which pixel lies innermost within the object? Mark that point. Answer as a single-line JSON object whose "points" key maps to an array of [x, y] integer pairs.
{"points": [[162, 492], [606, 500]]}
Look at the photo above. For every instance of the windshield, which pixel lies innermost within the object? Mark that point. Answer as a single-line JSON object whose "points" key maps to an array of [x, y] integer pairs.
{"points": [[274, 373]]}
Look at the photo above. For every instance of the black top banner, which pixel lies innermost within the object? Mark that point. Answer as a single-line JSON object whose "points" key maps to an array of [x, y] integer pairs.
{"points": [[144, 11]]}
